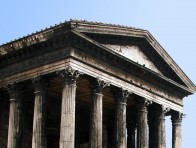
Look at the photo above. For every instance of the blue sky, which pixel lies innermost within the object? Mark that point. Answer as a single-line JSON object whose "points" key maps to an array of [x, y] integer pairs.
{"points": [[172, 23]]}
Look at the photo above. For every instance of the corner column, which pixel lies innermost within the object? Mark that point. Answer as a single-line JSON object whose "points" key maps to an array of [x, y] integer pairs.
{"points": [[39, 137], [15, 116], [142, 126], [161, 127], [120, 97], [96, 113], [67, 127], [176, 118]]}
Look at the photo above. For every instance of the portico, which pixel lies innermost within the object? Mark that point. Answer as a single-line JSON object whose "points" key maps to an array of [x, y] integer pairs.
{"points": [[82, 84]]}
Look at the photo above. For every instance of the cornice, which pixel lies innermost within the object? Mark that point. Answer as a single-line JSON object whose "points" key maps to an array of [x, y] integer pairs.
{"points": [[115, 59], [25, 44]]}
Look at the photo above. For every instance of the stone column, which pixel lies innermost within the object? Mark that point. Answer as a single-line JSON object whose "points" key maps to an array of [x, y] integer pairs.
{"points": [[120, 97], [161, 127], [15, 116], [176, 130], [96, 113], [142, 126], [39, 137], [67, 127]]}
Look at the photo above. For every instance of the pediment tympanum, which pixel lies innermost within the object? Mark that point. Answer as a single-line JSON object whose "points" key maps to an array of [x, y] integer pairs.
{"points": [[135, 54]]}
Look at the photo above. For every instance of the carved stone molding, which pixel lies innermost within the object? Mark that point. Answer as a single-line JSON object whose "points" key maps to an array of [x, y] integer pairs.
{"points": [[69, 75], [97, 85], [33, 62]]}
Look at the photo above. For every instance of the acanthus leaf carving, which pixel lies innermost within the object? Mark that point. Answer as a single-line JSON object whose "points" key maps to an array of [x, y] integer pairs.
{"points": [[121, 95], [97, 85], [69, 75]]}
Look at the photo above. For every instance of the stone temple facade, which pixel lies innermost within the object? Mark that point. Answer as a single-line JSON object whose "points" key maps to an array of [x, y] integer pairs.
{"points": [[84, 84]]}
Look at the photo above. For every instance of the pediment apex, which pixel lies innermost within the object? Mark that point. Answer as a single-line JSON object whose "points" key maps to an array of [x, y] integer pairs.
{"points": [[158, 50], [89, 30]]}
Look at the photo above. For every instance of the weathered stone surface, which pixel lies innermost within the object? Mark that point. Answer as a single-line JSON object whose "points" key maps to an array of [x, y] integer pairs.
{"points": [[161, 127], [15, 116], [176, 130], [127, 57], [120, 97], [142, 125], [96, 121], [39, 139], [67, 127]]}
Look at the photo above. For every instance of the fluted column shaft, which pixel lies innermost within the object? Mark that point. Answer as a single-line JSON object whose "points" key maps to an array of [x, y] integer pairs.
{"points": [[176, 130], [15, 115], [161, 127], [142, 126], [39, 137], [96, 113], [67, 127], [120, 97]]}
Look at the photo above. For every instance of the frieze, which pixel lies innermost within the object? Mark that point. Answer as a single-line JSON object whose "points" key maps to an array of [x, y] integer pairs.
{"points": [[97, 63], [128, 66], [35, 62]]}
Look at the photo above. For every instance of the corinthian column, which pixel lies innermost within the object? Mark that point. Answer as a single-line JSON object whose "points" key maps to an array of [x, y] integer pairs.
{"points": [[161, 127], [67, 127], [142, 126], [176, 130], [120, 97], [96, 113], [14, 130], [39, 120]]}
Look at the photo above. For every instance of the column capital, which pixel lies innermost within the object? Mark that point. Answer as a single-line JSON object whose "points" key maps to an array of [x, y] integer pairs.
{"points": [[120, 95], [15, 91], [162, 111], [69, 75], [144, 103], [40, 83], [176, 117], [97, 85]]}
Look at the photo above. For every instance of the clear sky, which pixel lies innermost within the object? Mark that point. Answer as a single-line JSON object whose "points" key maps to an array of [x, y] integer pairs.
{"points": [[172, 23]]}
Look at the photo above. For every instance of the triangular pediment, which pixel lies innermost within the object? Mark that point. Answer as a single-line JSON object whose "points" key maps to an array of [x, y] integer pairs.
{"points": [[134, 53], [143, 50], [137, 45]]}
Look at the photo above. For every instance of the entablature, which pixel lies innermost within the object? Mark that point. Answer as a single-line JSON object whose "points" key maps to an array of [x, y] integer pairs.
{"points": [[58, 48]]}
